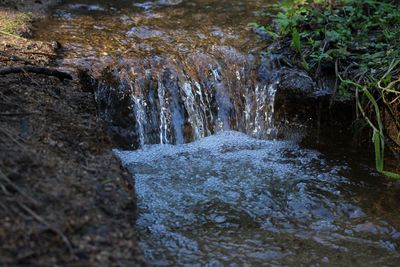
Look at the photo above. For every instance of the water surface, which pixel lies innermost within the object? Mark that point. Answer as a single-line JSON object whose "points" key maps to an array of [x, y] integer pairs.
{"points": [[190, 68], [231, 200], [90, 29]]}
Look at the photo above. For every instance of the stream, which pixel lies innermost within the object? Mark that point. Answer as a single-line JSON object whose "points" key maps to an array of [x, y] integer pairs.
{"points": [[186, 84]]}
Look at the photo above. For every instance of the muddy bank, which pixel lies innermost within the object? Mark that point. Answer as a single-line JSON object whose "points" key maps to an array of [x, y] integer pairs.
{"points": [[64, 197]]}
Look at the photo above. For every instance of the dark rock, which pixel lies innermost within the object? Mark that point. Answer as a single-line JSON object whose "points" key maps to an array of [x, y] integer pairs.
{"points": [[305, 104], [87, 82], [296, 100], [295, 83], [114, 106]]}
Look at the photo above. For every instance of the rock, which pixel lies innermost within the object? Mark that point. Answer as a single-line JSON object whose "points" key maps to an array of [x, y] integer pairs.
{"points": [[114, 106], [296, 99], [87, 82], [295, 83], [309, 107]]}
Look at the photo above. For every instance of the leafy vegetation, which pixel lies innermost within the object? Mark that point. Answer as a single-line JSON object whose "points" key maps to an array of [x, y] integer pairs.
{"points": [[361, 40]]}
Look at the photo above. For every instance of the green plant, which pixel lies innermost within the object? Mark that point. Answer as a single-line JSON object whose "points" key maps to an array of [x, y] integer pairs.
{"points": [[297, 46], [378, 137], [361, 39]]}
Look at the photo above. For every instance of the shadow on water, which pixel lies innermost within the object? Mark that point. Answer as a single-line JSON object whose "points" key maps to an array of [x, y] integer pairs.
{"points": [[172, 72]]}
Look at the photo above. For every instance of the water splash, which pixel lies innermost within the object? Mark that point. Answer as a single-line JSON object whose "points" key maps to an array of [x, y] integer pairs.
{"points": [[230, 199]]}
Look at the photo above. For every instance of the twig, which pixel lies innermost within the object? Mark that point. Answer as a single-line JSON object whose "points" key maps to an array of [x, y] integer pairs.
{"points": [[12, 138], [38, 70], [10, 34], [15, 58], [18, 189], [55, 230], [35, 215], [17, 211], [37, 53], [4, 189]]}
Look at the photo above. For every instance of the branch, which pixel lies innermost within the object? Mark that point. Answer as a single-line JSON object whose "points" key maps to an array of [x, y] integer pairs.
{"points": [[38, 70]]}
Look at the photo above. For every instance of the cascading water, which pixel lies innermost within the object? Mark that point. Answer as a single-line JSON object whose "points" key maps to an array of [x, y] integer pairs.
{"points": [[195, 97], [189, 71]]}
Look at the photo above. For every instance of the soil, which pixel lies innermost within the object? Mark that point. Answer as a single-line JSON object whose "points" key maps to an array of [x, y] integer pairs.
{"points": [[65, 200]]}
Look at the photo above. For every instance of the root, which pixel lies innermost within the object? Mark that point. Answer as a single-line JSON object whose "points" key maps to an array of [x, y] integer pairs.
{"points": [[32, 213]]}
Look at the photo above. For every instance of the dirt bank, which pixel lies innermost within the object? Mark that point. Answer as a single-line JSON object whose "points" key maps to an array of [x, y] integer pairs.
{"points": [[65, 200]]}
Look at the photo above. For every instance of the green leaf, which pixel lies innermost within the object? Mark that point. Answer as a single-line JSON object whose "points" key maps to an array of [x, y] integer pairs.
{"points": [[253, 24], [296, 40], [333, 35]]}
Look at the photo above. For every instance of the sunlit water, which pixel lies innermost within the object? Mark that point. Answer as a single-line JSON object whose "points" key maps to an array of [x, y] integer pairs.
{"points": [[233, 200], [94, 30], [191, 70]]}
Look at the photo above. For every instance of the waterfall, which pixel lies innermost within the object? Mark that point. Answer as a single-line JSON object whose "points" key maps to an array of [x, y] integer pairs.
{"points": [[179, 100]]}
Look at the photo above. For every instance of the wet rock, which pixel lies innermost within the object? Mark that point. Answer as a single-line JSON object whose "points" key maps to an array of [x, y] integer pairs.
{"points": [[87, 8], [114, 106], [87, 82], [263, 35], [295, 83], [308, 107], [296, 99], [144, 32], [170, 2]]}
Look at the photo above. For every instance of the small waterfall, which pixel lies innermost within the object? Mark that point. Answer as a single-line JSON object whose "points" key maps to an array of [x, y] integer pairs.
{"points": [[141, 118], [163, 114], [193, 116], [176, 100]]}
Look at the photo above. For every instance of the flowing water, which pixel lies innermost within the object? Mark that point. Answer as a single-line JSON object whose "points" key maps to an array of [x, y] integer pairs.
{"points": [[180, 80], [186, 69], [233, 200]]}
